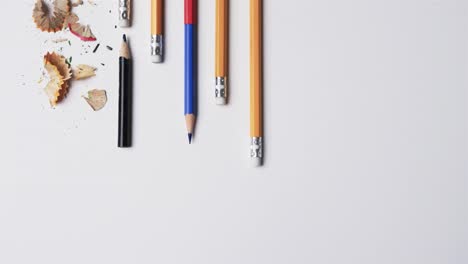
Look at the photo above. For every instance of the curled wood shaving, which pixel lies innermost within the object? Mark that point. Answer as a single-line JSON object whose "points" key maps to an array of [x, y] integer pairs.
{"points": [[54, 85], [59, 84], [51, 19]]}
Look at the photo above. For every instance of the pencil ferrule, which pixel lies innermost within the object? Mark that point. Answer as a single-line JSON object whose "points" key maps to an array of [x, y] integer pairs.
{"points": [[220, 87], [256, 147], [123, 10], [157, 45]]}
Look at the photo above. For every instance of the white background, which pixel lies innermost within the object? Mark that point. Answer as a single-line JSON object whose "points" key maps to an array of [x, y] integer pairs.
{"points": [[366, 133]]}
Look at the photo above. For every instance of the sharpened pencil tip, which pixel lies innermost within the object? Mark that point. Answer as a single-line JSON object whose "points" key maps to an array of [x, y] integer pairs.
{"points": [[190, 138], [124, 37]]}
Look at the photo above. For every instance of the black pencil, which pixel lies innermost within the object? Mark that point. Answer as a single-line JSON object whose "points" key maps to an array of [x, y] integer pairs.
{"points": [[125, 96]]}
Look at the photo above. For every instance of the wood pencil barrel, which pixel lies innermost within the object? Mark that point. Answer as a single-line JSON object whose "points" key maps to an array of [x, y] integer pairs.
{"points": [[221, 38], [256, 78], [157, 17]]}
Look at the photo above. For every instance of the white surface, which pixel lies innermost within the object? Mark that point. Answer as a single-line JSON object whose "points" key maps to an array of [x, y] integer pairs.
{"points": [[366, 142]]}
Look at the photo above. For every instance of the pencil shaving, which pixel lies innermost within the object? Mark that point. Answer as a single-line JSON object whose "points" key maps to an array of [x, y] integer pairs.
{"points": [[60, 40], [61, 63], [97, 99], [81, 31], [59, 84], [70, 19], [54, 85], [51, 18], [83, 71]]}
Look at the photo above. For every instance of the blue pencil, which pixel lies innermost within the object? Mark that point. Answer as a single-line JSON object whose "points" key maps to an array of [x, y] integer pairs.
{"points": [[190, 67]]}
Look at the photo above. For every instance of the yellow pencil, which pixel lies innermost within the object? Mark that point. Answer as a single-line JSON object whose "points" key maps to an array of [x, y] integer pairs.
{"points": [[221, 46], [157, 31], [256, 114]]}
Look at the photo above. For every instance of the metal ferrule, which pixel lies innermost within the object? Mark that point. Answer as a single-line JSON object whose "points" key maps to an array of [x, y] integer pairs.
{"points": [[123, 10], [157, 45], [256, 147], [220, 87]]}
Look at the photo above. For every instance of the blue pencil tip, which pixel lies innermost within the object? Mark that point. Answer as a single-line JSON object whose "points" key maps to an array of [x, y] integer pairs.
{"points": [[190, 138]]}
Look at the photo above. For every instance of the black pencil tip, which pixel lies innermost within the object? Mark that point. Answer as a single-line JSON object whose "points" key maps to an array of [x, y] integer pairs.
{"points": [[190, 138], [124, 37]]}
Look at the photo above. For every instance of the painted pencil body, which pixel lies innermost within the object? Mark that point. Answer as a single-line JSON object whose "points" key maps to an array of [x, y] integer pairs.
{"points": [[189, 69], [190, 66], [157, 27], [256, 82], [221, 51], [125, 97]]}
